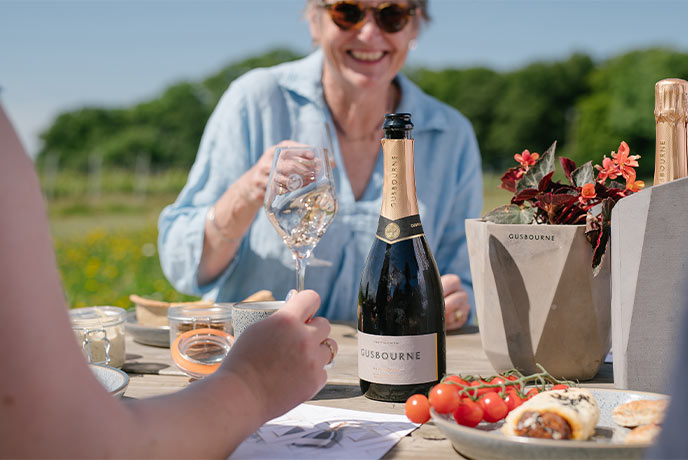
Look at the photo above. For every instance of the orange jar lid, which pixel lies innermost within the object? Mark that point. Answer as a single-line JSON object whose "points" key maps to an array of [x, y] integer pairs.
{"points": [[199, 352]]}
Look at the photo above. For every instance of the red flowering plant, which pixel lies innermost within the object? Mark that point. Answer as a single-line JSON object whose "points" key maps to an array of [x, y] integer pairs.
{"points": [[587, 198]]}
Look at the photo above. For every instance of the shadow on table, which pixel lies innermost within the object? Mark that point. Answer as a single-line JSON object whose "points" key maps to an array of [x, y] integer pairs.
{"points": [[144, 368], [465, 330], [604, 375], [338, 392]]}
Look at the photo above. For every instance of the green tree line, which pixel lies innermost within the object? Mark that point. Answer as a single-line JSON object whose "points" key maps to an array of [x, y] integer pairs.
{"points": [[587, 106]]}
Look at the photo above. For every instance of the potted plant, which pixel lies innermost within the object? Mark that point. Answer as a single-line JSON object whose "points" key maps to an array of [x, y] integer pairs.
{"points": [[540, 277]]}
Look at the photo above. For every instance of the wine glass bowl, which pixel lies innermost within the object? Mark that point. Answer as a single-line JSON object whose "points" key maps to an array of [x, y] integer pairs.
{"points": [[316, 132], [300, 200]]}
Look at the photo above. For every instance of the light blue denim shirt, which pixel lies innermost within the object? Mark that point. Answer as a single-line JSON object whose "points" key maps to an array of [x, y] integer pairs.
{"points": [[260, 109]]}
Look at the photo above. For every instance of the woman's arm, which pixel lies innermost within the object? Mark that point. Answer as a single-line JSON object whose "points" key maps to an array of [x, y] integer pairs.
{"points": [[232, 216], [228, 179], [52, 406]]}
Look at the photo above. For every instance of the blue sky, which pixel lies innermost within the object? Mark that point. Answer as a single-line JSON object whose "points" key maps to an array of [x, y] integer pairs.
{"points": [[57, 55]]}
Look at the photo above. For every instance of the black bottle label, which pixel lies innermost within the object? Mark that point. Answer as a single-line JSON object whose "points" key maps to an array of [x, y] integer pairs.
{"points": [[392, 231]]}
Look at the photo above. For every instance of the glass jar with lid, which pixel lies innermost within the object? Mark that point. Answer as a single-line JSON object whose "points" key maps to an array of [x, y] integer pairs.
{"points": [[100, 332], [200, 337]]}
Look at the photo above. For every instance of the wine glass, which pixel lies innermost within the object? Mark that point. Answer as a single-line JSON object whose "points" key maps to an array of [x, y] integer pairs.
{"points": [[315, 131], [300, 200]]}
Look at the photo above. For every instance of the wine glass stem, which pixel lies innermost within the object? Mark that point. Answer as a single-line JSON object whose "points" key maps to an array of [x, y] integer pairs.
{"points": [[300, 272]]}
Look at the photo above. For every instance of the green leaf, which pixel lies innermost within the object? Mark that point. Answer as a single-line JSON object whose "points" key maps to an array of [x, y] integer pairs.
{"points": [[543, 166], [585, 174], [511, 214]]}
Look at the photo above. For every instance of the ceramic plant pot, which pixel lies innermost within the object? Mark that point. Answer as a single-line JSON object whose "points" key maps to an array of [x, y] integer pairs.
{"points": [[537, 300], [649, 251]]}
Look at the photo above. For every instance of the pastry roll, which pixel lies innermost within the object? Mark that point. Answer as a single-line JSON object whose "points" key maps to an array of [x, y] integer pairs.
{"points": [[558, 414], [640, 412]]}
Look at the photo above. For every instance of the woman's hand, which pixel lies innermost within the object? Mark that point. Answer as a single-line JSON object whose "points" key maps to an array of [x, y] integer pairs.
{"points": [[281, 359], [254, 182], [456, 304]]}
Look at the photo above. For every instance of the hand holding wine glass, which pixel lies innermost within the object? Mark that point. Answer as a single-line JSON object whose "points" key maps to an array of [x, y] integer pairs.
{"points": [[317, 133], [300, 200], [253, 186]]}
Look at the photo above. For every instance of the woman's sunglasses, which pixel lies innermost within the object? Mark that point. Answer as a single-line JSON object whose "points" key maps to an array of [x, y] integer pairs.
{"points": [[390, 17]]}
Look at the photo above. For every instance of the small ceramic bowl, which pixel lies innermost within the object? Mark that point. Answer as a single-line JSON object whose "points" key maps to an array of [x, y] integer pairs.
{"points": [[114, 380]]}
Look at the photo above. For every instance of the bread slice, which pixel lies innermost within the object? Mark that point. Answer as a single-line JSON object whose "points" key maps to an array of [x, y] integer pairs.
{"points": [[643, 434], [260, 296], [640, 412], [153, 313], [149, 312]]}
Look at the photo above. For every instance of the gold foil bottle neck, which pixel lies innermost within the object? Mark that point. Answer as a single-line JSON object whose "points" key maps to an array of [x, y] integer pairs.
{"points": [[671, 144], [399, 187], [671, 100]]}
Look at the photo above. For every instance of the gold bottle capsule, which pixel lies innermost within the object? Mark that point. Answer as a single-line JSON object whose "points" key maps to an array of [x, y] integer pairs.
{"points": [[671, 115]]}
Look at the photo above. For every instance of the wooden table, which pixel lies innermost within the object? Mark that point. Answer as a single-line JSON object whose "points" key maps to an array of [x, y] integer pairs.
{"points": [[151, 372]]}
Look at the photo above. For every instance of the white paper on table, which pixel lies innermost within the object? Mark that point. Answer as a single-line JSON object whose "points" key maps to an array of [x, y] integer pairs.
{"points": [[319, 432]]}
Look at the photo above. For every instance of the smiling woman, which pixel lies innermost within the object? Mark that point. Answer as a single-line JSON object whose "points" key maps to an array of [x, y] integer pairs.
{"points": [[363, 53], [349, 83]]}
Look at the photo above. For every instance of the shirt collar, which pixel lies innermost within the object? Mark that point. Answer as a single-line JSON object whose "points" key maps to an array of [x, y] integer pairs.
{"points": [[303, 77]]}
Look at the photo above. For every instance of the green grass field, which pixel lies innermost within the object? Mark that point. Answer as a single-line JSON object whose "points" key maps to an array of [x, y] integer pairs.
{"points": [[106, 243]]}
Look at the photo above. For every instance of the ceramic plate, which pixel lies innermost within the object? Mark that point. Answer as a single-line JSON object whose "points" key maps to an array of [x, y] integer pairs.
{"points": [[114, 380], [158, 336], [486, 441]]}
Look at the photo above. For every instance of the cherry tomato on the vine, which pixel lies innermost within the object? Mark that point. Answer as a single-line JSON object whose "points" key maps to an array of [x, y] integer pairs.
{"points": [[497, 381], [481, 391], [560, 386], [474, 383], [513, 400], [417, 409], [494, 407], [469, 413], [457, 379], [444, 397], [484, 390], [511, 377], [532, 392]]}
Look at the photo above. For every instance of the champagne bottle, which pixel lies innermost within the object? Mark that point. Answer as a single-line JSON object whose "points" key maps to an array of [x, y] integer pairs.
{"points": [[671, 115], [401, 335]]}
